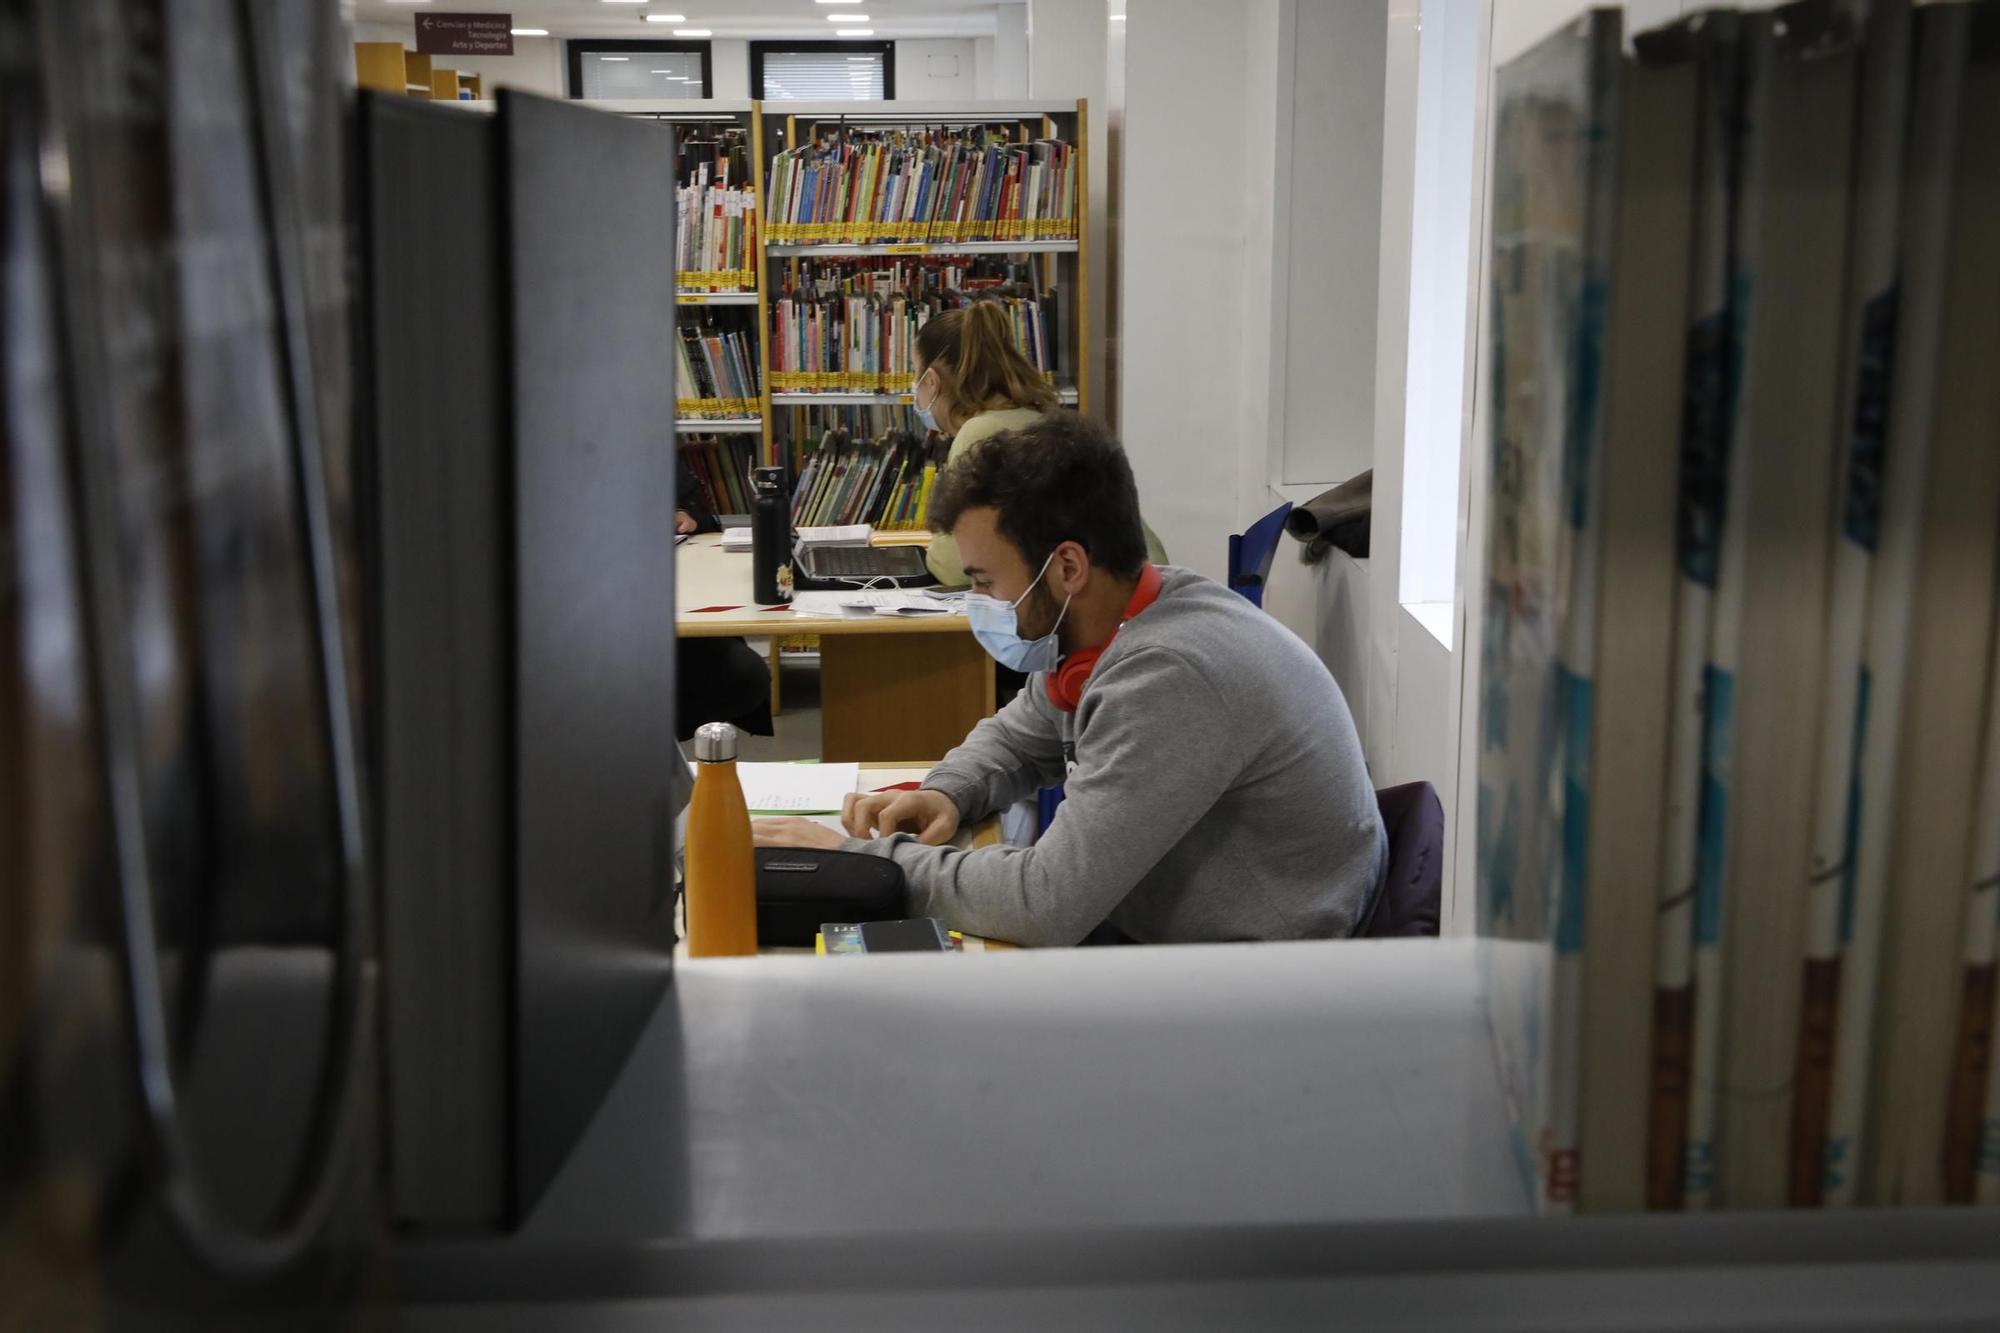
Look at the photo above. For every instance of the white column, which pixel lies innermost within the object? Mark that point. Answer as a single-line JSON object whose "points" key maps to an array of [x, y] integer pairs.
{"points": [[1067, 41], [1182, 249], [1010, 51], [729, 70]]}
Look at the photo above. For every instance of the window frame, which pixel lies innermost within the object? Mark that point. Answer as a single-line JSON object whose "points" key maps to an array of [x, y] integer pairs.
{"points": [[886, 49], [576, 48]]}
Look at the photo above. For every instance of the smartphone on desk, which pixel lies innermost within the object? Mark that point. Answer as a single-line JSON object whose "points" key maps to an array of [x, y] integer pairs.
{"points": [[922, 935]]}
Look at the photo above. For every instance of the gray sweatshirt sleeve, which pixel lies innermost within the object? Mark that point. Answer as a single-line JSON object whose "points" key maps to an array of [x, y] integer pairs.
{"points": [[1160, 753], [1008, 757]]}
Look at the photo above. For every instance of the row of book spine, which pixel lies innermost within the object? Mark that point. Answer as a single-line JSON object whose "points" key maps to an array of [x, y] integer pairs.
{"points": [[885, 482], [721, 465], [1739, 777], [875, 187], [715, 245], [867, 343], [715, 241], [718, 374]]}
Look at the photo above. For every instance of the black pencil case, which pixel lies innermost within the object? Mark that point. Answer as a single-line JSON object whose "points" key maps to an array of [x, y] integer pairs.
{"points": [[798, 888]]}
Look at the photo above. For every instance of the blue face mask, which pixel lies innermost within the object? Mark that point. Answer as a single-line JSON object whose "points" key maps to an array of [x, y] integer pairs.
{"points": [[994, 625], [924, 414]]}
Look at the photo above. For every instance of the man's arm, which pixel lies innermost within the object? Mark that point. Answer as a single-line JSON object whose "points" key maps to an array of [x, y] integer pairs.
{"points": [[1159, 756], [1008, 756]]}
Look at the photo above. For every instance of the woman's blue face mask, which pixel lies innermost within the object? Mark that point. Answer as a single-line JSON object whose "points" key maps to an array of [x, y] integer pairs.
{"points": [[924, 413], [996, 625]]}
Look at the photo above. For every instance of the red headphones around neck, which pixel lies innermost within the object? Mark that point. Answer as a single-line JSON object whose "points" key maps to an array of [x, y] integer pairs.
{"points": [[1066, 682]]}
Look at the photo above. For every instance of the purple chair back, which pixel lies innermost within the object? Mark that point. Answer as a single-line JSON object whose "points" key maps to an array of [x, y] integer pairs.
{"points": [[1408, 903]]}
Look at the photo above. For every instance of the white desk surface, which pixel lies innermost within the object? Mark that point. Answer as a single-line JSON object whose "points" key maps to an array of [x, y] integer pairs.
{"points": [[1152, 1086], [706, 576]]}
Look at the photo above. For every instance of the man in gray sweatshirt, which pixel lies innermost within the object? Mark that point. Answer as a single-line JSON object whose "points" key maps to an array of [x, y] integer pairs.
{"points": [[1215, 785]]}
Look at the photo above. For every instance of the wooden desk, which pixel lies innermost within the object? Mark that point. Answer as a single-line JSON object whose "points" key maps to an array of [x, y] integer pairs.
{"points": [[891, 690]]}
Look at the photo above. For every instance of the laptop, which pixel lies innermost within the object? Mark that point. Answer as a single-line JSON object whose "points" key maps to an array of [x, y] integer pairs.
{"points": [[817, 568]]}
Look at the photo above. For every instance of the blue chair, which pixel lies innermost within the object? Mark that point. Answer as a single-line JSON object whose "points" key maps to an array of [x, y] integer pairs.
{"points": [[1250, 554]]}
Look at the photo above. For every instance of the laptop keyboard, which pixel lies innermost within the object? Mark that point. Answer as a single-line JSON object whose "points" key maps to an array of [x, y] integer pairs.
{"points": [[864, 562]]}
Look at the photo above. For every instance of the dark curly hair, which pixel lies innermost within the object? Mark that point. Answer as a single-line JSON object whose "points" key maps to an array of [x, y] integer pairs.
{"points": [[1061, 478]]}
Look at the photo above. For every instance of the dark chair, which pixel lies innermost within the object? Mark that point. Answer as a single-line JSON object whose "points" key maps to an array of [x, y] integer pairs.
{"points": [[1408, 903], [1250, 554]]}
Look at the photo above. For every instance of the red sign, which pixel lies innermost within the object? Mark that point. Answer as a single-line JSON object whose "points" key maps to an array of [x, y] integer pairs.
{"points": [[465, 34]]}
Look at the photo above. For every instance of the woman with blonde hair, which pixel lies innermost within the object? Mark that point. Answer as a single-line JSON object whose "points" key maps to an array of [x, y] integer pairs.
{"points": [[972, 383]]}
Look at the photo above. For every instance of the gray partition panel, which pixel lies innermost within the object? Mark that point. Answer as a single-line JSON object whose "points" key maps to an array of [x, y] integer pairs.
{"points": [[434, 483], [590, 218]]}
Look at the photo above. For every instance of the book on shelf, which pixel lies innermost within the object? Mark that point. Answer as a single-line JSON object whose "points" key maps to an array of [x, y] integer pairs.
{"points": [[1739, 710], [718, 373], [715, 241], [1914, 342], [1687, 884], [1968, 1150], [882, 482], [1920, 996], [721, 466], [1800, 77], [856, 333], [1868, 349], [903, 185], [1553, 196]]}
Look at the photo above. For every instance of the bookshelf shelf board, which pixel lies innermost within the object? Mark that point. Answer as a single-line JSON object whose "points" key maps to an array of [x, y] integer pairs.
{"points": [[715, 298], [1064, 394], [928, 248], [737, 426]]}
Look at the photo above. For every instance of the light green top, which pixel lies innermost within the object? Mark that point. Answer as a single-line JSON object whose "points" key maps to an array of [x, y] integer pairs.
{"points": [[943, 558]]}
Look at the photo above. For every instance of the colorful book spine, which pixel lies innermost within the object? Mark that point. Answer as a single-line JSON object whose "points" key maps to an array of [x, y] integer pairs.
{"points": [[1973, 1051], [1931, 149], [1870, 338], [1686, 861], [1553, 195], [898, 186]]}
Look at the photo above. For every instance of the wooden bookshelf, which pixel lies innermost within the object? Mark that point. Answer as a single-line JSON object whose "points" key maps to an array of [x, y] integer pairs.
{"points": [[1065, 263], [379, 66]]}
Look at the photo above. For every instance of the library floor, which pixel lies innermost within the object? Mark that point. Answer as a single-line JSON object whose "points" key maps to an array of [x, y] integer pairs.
{"points": [[796, 730]]}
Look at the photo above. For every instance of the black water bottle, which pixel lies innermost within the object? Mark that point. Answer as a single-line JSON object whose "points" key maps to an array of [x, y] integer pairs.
{"points": [[770, 538]]}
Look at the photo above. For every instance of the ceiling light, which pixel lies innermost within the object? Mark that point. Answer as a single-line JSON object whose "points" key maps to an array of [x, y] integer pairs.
{"points": [[529, 32], [691, 32], [1117, 18], [666, 18], [614, 57]]}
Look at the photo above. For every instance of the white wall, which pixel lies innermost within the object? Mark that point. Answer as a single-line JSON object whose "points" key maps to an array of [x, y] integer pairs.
{"points": [[1183, 246], [729, 69], [1010, 51], [535, 67], [1330, 71], [982, 68], [937, 70], [1067, 55]]}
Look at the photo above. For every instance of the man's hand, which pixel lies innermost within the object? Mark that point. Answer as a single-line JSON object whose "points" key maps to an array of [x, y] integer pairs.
{"points": [[792, 831], [930, 815], [684, 522]]}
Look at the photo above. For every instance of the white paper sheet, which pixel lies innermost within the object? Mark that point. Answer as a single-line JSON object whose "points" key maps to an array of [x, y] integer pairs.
{"points": [[797, 789]]}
